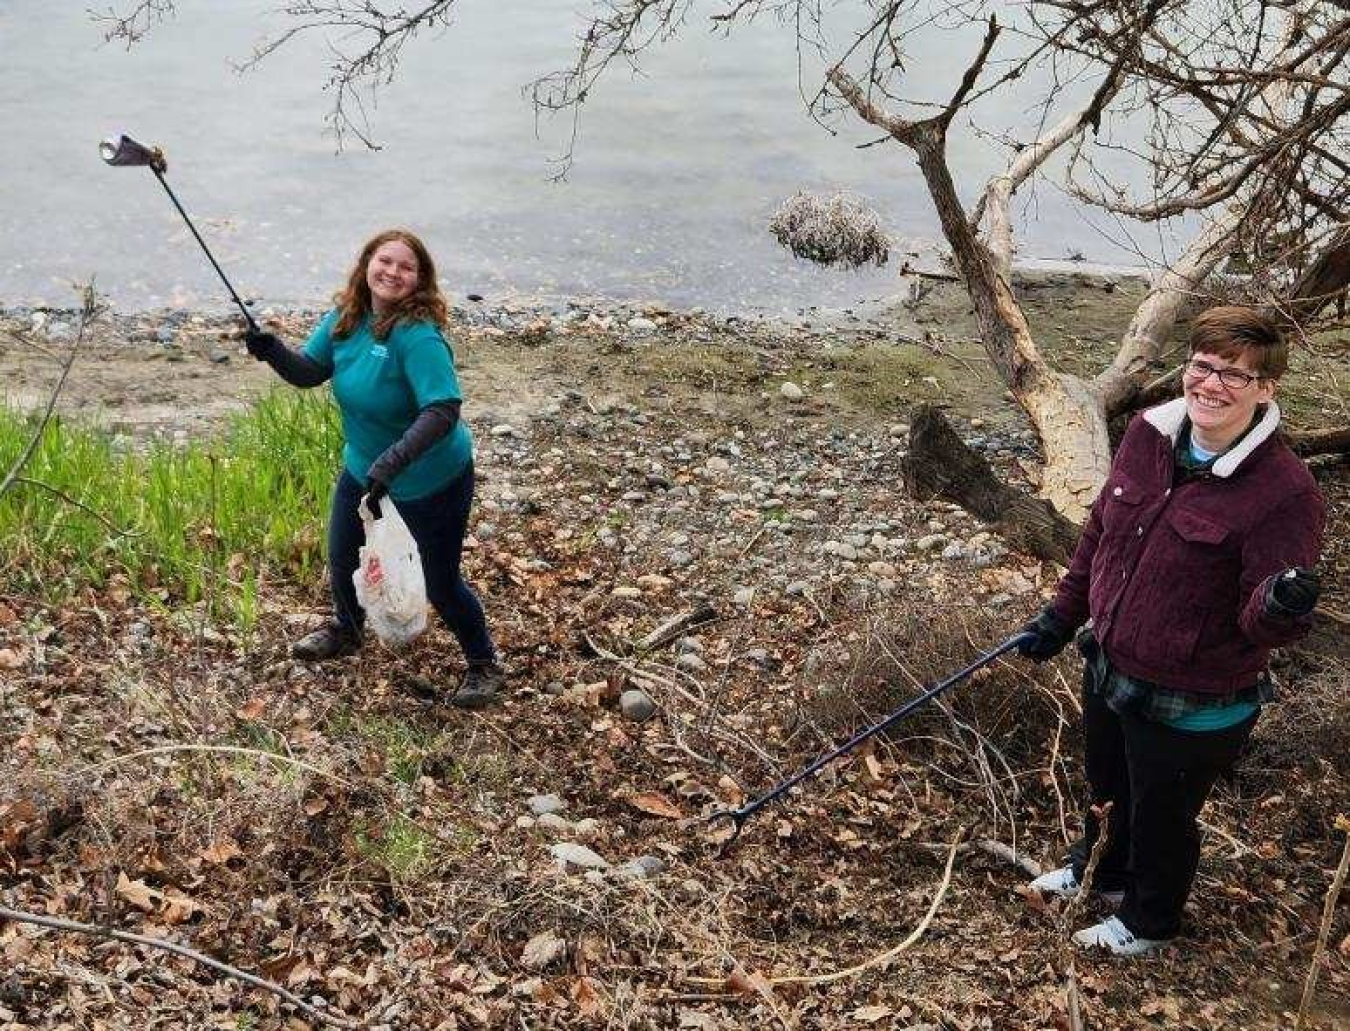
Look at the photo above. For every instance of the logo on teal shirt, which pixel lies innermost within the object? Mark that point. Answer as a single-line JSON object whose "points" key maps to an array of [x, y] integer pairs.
{"points": [[379, 351]]}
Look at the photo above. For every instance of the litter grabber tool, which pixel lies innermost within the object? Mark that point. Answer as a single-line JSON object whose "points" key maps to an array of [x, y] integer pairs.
{"points": [[123, 151], [738, 817]]}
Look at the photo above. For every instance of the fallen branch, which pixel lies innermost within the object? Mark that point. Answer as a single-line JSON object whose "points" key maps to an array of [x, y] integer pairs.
{"points": [[1328, 911], [997, 849], [673, 628], [179, 950]]}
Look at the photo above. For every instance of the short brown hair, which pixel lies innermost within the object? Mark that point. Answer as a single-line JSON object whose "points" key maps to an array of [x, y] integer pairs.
{"points": [[1233, 331]]}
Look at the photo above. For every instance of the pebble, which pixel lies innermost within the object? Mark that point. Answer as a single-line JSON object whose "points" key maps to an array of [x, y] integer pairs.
{"points": [[636, 706], [642, 868], [587, 828], [791, 391], [641, 324], [690, 663], [542, 804], [570, 854]]}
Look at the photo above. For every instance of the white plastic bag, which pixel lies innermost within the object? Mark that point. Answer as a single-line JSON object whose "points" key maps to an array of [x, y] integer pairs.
{"points": [[388, 578]]}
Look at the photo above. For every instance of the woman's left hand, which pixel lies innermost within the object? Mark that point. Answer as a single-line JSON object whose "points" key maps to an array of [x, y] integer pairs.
{"points": [[376, 490], [1293, 592]]}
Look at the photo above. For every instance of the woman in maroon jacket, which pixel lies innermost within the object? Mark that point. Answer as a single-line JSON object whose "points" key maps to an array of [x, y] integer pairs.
{"points": [[1195, 561]]}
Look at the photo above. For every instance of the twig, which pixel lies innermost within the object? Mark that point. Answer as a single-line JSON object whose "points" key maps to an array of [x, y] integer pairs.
{"points": [[755, 537], [256, 753], [672, 628], [1071, 993], [30, 482], [87, 312], [1008, 854], [1328, 911], [180, 950], [894, 951], [997, 849]]}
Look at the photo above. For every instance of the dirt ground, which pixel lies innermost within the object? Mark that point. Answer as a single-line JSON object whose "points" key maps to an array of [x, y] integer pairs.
{"points": [[342, 833]]}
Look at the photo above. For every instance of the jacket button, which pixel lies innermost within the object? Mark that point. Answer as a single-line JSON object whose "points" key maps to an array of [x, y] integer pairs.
{"points": [[1139, 532], [1117, 492]]}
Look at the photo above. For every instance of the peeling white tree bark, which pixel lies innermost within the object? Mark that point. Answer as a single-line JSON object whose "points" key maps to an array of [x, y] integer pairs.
{"points": [[1157, 314]]}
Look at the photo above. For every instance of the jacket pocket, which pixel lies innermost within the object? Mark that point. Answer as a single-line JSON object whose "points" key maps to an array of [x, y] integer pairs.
{"points": [[1196, 529], [1123, 497]]}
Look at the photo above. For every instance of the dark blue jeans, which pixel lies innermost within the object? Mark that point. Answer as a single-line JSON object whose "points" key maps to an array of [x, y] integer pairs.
{"points": [[438, 523]]}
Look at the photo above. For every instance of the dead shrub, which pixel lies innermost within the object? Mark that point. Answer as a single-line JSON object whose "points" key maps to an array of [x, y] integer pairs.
{"points": [[834, 230]]}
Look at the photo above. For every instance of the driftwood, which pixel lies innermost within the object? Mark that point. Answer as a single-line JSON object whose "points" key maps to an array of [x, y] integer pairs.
{"points": [[940, 465]]}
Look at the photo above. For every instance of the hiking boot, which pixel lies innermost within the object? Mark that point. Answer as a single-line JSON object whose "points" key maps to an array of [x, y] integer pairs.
{"points": [[1116, 938], [330, 641], [1063, 884], [480, 687]]}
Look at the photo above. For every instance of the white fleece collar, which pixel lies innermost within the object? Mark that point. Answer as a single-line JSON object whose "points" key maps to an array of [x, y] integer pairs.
{"points": [[1168, 419]]}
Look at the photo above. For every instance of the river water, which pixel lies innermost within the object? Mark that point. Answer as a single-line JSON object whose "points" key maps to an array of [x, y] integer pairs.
{"points": [[677, 169]]}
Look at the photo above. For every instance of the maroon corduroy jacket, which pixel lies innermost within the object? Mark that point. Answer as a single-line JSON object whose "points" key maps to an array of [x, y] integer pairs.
{"points": [[1174, 576]]}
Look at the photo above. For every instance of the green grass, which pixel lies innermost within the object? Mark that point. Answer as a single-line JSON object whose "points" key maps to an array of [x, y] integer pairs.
{"points": [[208, 521], [406, 852]]}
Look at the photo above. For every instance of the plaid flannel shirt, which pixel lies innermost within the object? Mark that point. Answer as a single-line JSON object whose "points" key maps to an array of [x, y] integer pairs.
{"points": [[1126, 695]]}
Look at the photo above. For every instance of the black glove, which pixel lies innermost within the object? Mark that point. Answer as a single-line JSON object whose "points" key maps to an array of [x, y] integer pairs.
{"points": [[1051, 637], [261, 344], [1292, 593], [377, 489]]}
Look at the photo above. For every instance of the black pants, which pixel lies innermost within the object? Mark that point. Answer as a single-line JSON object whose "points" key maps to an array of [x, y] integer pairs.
{"points": [[438, 523], [1157, 779]]}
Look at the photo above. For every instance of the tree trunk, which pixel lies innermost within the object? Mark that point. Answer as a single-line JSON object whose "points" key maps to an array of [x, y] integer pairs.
{"points": [[1067, 411], [939, 465]]}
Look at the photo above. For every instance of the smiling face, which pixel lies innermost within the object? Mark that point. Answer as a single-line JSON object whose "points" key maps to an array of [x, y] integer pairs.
{"points": [[1221, 413], [391, 274]]}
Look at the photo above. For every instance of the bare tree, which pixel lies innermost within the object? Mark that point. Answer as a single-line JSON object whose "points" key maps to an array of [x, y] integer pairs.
{"points": [[1232, 112]]}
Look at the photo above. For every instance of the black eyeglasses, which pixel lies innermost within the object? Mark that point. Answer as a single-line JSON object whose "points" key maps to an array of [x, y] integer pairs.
{"points": [[1233, 378]]}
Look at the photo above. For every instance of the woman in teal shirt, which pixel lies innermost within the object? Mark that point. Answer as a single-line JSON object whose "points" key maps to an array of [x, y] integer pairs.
{"points": [[393, 376]]}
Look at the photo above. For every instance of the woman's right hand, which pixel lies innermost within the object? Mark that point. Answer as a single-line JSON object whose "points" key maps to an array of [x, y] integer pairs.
{"points": [[260, 344], [1049, 637]]}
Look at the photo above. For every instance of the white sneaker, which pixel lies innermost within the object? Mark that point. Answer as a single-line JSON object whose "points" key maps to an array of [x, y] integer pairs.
{"points": [[1063, 884], [1116, 938]]}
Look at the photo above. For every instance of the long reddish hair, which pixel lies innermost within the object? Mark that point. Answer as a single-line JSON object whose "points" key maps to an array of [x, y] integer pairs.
{"points": [[425, 304]]}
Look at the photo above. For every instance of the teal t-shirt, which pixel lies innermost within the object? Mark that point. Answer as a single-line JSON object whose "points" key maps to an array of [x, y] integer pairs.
{"points": [[380, 387]]}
